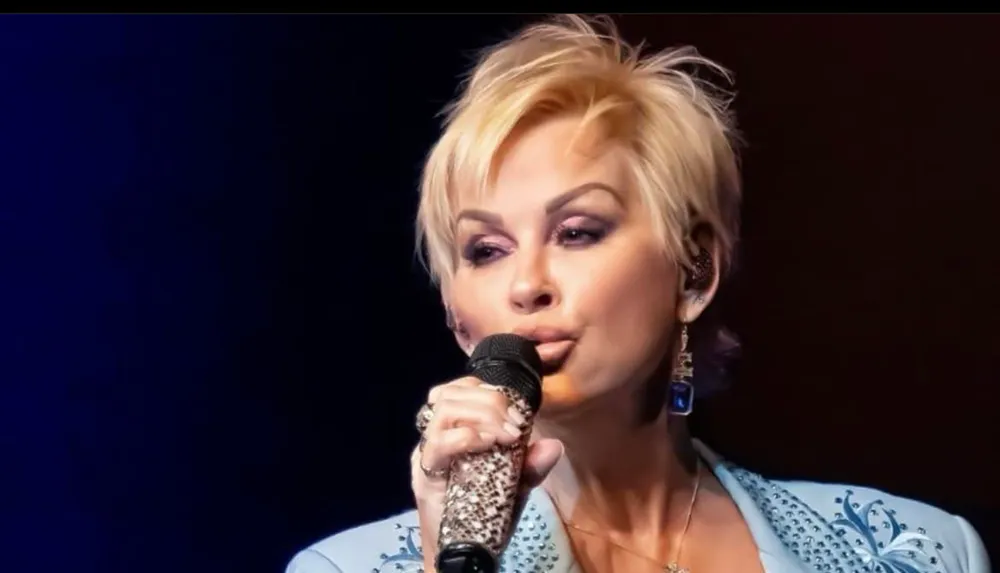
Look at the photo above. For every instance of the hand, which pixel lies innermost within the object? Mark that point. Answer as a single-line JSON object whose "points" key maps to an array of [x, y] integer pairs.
{"points": [[469, 416]]}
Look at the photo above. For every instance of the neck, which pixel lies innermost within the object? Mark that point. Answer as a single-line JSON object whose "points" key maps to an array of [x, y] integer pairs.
{"points": [[626, 480]]}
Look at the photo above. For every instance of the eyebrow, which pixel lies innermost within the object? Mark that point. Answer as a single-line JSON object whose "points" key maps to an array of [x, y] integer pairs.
{"points": [[559, 202], [551, 206]]}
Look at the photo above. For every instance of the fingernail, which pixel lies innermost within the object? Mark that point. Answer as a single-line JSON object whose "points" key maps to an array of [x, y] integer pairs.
{"points": [[512, 429], [515, 416]]}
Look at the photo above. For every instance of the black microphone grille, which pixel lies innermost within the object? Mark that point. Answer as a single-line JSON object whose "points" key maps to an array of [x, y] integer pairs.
{"points": [[493, 357]]}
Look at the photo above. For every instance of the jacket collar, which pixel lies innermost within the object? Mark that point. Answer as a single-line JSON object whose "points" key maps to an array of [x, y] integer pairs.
{"points": [[774, 554], [541, 543]]}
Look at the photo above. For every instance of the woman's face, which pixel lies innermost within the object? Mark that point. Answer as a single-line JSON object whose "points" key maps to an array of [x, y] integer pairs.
{"points": [[562, 251]]}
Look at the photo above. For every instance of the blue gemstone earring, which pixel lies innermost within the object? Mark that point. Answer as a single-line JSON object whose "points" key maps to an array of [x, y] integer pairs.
{"points": [[681, 395]]}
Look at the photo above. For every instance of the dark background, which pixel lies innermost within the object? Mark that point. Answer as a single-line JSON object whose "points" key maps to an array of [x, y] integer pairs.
{"points": [[215, 333]]}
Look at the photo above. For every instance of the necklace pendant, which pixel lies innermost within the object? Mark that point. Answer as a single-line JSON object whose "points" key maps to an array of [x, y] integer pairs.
{"points": [[675, 568]]}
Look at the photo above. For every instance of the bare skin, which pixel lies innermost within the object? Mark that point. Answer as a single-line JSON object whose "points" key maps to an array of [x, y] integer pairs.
{"points": [[562, 251]]}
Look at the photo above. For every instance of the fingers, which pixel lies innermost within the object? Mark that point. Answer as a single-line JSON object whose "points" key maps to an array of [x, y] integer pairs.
{"points": [[468, 416], [439, 451], [464, 382], [469, 402], [472, 390], [461, 417], [460, 427], [542, 456], [484, 417]]}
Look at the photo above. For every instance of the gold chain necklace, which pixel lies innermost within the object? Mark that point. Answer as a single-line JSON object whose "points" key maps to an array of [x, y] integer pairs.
{"points": [[672, 566]]}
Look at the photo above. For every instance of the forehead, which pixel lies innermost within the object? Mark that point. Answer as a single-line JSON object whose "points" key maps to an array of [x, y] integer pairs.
{"points": [[548, 159]]}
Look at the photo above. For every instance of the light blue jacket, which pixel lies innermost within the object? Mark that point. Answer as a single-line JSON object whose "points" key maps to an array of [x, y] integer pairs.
{"points": [[798, 526]]}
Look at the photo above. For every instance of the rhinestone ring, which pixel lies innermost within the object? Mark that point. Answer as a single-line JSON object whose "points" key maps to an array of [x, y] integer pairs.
{"points": [[424, 416]]}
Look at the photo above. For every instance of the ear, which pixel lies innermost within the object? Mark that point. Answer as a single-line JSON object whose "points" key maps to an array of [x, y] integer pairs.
{"points": [[454, 324], [698, 285]]}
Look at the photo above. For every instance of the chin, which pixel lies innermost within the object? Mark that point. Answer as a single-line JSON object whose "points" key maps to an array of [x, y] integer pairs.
{"points": [[562, 393]]}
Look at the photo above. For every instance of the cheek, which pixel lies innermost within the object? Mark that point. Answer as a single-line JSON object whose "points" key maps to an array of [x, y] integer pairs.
{"points": [[631, 297], [475, 305]]}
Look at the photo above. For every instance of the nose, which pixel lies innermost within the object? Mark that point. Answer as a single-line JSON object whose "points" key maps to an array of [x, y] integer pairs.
{"points": [[532, 289]]}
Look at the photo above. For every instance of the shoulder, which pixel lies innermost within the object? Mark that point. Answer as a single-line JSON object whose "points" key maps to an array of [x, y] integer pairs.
{"points": [[881, 528], [391, 544]]}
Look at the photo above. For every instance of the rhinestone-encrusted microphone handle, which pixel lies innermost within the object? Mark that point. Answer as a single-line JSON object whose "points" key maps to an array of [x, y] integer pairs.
{"points": [[482, 490]]}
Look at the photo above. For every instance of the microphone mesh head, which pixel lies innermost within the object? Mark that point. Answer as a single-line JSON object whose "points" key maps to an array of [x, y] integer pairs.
{"points": [[512, 361]]}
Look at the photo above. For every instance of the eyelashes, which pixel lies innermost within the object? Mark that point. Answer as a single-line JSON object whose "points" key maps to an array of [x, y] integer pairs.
{"points": [[480, 251]]}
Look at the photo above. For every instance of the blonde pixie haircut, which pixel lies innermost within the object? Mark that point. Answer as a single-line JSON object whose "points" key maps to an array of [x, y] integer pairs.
{"points": [[676, 126]]}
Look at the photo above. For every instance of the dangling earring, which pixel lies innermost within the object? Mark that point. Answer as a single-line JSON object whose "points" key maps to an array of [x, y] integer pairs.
{"points": [[681, 395]]}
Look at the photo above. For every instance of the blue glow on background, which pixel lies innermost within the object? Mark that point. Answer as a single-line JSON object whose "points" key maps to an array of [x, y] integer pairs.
{"points": [[130, 208]]}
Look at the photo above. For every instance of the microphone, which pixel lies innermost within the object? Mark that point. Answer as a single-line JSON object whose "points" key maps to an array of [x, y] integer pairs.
{"points": [[483, 487]]}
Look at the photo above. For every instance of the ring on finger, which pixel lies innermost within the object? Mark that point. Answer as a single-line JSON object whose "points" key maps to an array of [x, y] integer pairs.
{"points": [[432, 474], [424, 416]]}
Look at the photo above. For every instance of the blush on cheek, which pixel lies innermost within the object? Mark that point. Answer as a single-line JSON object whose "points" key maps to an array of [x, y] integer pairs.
{"points": [[558, 390]]}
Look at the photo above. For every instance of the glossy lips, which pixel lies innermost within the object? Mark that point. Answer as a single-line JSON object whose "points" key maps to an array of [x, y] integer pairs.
{"points": [[553, 346], [554, 351]]}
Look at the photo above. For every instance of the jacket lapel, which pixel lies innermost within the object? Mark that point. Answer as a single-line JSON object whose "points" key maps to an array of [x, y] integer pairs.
{"points": [[540, 542], [775, 556]]}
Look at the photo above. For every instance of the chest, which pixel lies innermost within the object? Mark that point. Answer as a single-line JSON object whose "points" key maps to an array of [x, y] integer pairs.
{"points": [[724, 552]]}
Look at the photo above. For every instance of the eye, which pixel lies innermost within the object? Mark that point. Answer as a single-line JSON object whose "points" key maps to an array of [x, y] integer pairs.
{"points": [[580, 235], [479, 253]]}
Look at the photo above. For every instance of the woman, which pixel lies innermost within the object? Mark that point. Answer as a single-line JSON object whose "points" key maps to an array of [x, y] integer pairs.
{"points": [[586, 198]]}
